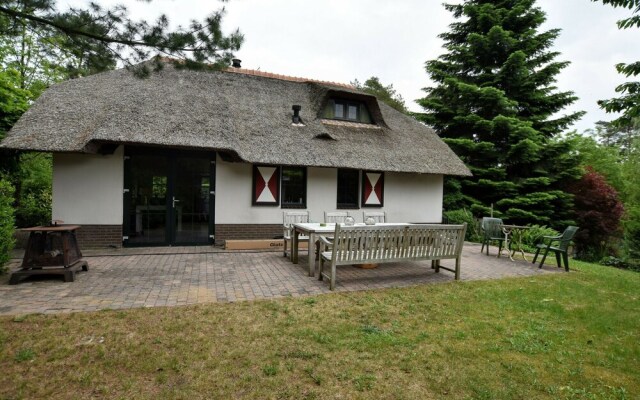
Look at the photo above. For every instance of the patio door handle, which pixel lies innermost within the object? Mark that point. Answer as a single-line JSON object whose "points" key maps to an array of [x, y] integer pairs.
{"points": [[174, 201]]}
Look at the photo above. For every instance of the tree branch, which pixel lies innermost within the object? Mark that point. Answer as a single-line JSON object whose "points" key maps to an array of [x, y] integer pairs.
{"points": [[76, 32]]}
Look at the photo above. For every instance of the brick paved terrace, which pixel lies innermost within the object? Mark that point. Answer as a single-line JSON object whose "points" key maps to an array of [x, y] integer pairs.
{"points": [[172, 276]]}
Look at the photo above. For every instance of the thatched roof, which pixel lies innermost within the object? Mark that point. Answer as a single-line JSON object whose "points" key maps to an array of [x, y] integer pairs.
{"points": [[245, 115]]}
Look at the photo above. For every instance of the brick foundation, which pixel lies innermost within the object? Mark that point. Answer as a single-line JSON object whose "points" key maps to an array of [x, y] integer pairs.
{"points": [[92, 236], [96, 236], [247, 231], [89, 236]]}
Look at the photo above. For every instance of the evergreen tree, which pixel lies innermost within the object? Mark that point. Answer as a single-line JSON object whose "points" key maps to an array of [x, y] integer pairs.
{"points": [[496, 105]]}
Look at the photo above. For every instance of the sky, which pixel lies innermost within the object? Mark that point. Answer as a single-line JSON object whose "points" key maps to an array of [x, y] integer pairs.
{"points": [[343, 40]]}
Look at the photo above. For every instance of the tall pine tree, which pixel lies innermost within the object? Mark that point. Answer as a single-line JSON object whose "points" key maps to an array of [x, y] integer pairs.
{"points": [[496, 105]]}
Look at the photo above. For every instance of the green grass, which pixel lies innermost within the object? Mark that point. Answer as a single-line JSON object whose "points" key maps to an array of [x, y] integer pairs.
{"points": [[557, 336]]}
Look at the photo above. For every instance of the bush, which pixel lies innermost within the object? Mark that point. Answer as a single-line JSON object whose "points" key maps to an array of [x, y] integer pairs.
{"points": [[631, 224], [6, 223], [598, 211], [633, 265], [474, 234], [33, 205], [533, 236], [35, 209]]}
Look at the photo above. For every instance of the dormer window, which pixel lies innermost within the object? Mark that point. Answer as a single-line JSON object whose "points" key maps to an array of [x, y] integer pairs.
{"points": [[344, 110], [347, 110]]}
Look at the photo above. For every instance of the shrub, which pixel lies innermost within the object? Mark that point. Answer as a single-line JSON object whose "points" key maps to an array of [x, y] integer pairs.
{"points": [[35, 209], [6, 222], [631, 226], [598, 211], [611, 261], [33, 205], [533, 236], [473, 226]]}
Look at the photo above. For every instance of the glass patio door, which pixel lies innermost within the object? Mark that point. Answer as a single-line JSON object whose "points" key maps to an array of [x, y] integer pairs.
{"points": [[190, 200], [168, 197]]}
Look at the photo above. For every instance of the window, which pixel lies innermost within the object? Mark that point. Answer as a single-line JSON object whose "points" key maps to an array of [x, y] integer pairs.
{"points": [[347, 110], [348, 185], [294, 187]]}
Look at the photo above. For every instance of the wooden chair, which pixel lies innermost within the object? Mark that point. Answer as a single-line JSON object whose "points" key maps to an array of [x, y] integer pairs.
{"points": [[492, 232], [378, 216], [288, 219], [562, 241], [336, 217]]}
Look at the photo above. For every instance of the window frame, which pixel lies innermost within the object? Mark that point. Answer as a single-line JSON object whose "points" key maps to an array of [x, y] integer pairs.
{"points": [[282, 191], [344, 206], [345, 107]]}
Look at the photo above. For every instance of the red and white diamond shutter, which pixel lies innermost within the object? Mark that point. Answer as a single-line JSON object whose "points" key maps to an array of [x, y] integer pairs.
{"points": [[372, 189], [265, 188]]}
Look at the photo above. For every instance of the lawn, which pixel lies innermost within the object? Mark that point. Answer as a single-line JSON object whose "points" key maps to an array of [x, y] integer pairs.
{"points": [[558, 336]]}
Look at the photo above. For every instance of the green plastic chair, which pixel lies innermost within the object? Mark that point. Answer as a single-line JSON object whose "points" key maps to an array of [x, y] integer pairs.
{"points": [[492, 232], [561, 247]]}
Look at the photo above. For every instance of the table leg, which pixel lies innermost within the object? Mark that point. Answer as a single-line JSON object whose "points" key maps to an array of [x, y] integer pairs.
{"points": [[312, 254], [518, 239], [294, 246], [507, 234], [506, 243]]}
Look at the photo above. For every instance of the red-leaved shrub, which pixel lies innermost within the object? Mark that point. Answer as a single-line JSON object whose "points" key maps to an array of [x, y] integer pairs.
{"points": [[598, 211]]}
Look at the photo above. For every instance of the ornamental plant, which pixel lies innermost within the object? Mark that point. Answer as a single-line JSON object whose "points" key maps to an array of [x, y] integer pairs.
{"points": [[598, 212]]}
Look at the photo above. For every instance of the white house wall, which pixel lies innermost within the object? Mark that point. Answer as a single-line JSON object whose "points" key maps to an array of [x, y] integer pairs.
{"points": [[87, 188], [407, 197]]}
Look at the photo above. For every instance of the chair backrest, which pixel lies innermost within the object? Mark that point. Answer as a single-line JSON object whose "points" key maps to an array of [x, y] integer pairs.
{"points": [[294, 217], [337, 217], [491, 227], [378, 216], [567, 236]]}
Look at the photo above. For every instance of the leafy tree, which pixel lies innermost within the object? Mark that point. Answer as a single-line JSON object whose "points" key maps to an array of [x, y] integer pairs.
{"points": [[616, 135], [598, 213], [13, 102], [629, 101], [6, 223], [384, 93], [621, 172], [603, 159], [495, 104], [92, 37], [30, 51], [631, 196]]}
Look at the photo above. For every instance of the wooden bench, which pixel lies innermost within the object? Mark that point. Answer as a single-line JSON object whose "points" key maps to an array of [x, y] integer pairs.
{"points": [[391, 243]]}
